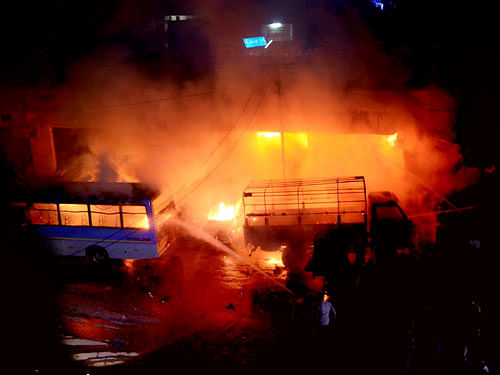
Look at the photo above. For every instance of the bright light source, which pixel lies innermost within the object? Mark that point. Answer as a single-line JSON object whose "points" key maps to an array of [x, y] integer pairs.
{"points": [[278, 32], [378, 4], [392, 139], [268, 135], [301, 138], [296, 138], [268, 44], [224, 212]]}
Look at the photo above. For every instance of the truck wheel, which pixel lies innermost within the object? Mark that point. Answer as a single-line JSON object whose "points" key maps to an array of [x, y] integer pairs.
{"points": [[97, 255]]}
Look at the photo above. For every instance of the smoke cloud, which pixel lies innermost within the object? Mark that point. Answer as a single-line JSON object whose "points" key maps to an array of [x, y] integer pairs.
{"points": [[333, 92]]}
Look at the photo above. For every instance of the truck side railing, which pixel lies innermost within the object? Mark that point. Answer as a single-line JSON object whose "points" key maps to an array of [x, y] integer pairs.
{"points": [[305, 201]]}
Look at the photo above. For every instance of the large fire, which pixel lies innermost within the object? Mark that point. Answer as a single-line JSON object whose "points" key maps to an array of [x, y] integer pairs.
{"points": [[224, 213], [275, 261], [300, 138], [384, 158]]}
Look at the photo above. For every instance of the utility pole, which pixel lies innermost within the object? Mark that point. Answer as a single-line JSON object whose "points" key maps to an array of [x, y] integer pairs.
{"points": [[277, 32], [282, 133]]}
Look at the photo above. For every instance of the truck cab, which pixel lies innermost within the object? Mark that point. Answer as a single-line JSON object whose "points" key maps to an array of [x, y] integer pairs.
{"points": [[389, 228]]}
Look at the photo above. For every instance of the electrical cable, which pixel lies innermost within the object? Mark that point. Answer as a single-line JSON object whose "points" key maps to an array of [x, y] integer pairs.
{"points": [[232, 148], [207, 159], [156, 100], [65, 125], [417, 179], [188, 181]]}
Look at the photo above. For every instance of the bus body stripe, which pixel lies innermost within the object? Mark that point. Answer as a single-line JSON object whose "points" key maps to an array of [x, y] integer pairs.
{"points": [[95, 240]]}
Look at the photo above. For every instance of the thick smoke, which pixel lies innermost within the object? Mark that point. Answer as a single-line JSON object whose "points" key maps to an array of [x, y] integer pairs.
{"points": [[196, 138]]}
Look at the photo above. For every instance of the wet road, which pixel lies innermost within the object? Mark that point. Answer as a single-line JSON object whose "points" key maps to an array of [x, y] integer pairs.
{"points": [[199, 309], [195, 296]]}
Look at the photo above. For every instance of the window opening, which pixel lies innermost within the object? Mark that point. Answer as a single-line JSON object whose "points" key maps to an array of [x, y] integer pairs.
{"points": [[74, 214], [135, 217]]}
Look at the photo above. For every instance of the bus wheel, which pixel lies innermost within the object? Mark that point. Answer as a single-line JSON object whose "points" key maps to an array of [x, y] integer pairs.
{"points": [[97, 255]]}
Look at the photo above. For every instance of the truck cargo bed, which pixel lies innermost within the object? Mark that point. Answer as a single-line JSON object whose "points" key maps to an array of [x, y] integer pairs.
{"points": [[280, 210]]}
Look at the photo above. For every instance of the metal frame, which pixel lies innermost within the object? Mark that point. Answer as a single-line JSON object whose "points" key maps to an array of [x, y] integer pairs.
{"points": [[332, 198]]}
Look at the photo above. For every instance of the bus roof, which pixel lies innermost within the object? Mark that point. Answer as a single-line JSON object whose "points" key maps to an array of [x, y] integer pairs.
{"points": [[86, 192]]}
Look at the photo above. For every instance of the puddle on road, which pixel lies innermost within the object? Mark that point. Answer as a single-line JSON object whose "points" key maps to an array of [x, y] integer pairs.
{"points": [[72, 341], [103, 359]]}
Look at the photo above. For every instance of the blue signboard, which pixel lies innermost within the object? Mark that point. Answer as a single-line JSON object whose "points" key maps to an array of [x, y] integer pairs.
{"points": [[258, 41]]}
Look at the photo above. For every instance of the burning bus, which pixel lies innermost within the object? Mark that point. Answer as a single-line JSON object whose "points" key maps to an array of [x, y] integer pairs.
{"points": [[97, 220], [334, 215]]}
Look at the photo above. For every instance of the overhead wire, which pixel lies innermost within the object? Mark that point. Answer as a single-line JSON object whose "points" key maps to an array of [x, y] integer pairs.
{"points": [[116, 105], [221, 141], [208, 157], [259, 104], [416, 178], [156, 100]]}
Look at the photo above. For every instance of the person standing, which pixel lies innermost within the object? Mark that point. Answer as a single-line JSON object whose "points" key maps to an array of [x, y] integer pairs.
{"points": [[327, 313], [324, 316]]}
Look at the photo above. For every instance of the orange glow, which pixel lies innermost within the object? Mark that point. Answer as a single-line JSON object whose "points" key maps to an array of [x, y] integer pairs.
{"points": [[392, 139], [129, 265], [224, 213], [79, 208], [276, 261], [300, 138], [74, 214], [135, 217], [294, 138], [268, 135], [144, 223]]}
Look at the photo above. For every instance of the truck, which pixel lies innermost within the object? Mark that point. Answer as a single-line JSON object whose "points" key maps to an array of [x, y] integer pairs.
{"points": [[321, 224]]}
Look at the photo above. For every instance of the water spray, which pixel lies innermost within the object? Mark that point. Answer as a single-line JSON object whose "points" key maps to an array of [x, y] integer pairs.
{"points": [[204, 236]]}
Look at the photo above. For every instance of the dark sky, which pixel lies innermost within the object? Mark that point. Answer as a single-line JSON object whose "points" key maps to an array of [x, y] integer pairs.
{"points": [[40, 39]]}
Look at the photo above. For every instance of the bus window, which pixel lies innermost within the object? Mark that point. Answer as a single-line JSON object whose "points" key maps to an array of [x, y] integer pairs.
{"points": [[105, 215], [74, 214], [43, 214], [135, 217]]}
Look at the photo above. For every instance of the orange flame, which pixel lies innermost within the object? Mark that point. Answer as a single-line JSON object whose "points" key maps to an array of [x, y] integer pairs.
{"points": [[392, 139], [224, 213], [129, 265], [298, 138], [144, 223], [275, 261]]}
